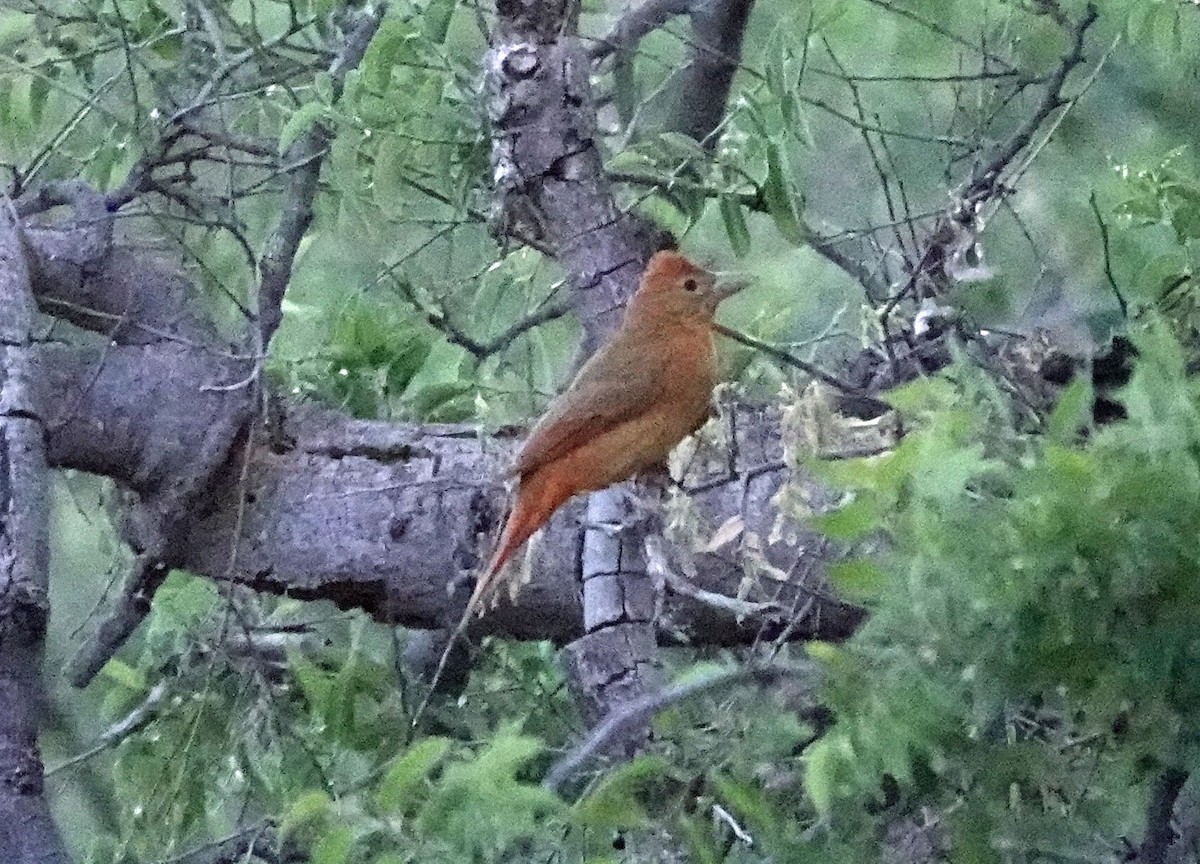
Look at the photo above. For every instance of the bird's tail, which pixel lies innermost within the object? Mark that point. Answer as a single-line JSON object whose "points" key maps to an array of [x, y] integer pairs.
{"points": [[538, 496]]}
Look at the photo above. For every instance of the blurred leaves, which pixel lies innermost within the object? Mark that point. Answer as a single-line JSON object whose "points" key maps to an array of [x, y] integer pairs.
{"points": [[1057, 576]]}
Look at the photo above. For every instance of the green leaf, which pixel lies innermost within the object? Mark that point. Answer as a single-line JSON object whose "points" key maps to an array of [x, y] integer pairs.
{"points": [[698, 836], [857, 580], [823, 762], [435, 23], [305, 118], [922, 395], [314, 683], [395, 791], [797, 122], [323, 87], [310, 809], [15, 27], [390, 858], [780, 199], [124, 674], [750, 804], [483, 805], [334, 847], [849, 522], [388, 182], [615, 803], [392, 41], [39, 94], [1073, 411], [433, 400], [680, 150], [735, 225]]}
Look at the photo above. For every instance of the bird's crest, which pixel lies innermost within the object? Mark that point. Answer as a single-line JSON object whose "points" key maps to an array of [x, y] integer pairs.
{"points": [[667, 268]]}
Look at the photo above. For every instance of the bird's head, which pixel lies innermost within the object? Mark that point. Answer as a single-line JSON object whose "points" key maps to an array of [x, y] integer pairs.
{"points": [[673, 284]]}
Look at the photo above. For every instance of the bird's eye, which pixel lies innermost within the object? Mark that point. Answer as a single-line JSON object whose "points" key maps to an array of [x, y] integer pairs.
{"points": [[690, 285]]}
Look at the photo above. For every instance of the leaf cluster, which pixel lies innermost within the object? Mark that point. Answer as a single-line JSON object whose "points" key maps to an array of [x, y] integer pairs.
{"points": [[1031, 649]]}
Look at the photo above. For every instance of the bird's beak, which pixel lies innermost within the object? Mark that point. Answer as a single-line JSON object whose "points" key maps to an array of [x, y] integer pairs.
{"points": [[728, 285]]}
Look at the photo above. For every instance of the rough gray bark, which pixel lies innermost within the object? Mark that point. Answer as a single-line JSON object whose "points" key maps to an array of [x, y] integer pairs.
{"points": [[27, 833], [386, 517], [551, 186]]}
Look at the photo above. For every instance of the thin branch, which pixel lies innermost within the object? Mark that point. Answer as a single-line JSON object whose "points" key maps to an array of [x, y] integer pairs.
{"points": [[884, 181], [1108, 272], [638, 713], [957, 78], [985, 183], [882, 130], [790, 360], [275, 266], [934, 27], [146, 576], [252, 842], [696, 106], [986, 177], [636, 24], [119, 731], [440, 321]]}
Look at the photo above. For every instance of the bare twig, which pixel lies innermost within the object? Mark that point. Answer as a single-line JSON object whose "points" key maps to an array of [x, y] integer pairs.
{"points": [[985, 179], [1108, 271], [986, 182], [934, 27], [250, 843], [440, 321], [638, 713], [789, 359]]}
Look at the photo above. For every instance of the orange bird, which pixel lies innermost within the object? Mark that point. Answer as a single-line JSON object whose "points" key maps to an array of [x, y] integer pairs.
{"points": [[638, 396]]}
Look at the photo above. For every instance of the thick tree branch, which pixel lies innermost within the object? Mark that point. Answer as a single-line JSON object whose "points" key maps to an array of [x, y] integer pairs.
{"points": [[27, 833], [548, 170], [1159, 811], [701, 90], [391, 518], [143, 306], [550, 184]]}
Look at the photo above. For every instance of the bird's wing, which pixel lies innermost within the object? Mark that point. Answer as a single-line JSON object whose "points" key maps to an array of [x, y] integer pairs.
{"points": [[615, 386]]}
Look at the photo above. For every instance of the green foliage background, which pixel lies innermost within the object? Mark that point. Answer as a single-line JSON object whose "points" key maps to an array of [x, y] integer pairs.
{"points": [[1027, 667]]}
